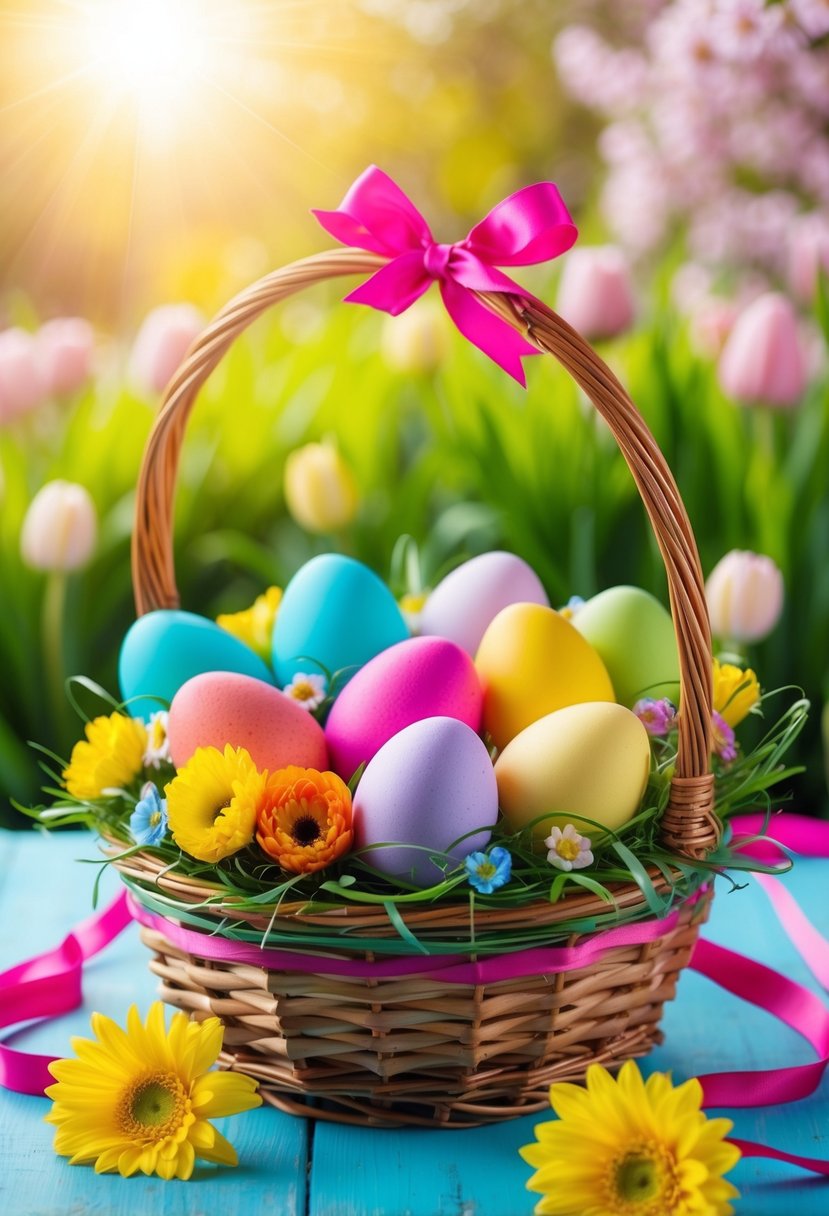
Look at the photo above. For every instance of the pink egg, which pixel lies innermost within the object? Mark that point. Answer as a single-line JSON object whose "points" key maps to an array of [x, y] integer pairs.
{"points": [[416, 679], [220, 707]]}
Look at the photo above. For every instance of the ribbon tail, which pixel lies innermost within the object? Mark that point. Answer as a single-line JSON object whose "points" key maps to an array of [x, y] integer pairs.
{"points": [[749, 1148], [496, 338], [394, 287]]}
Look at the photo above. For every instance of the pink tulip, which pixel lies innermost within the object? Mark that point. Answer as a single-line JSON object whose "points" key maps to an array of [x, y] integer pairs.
{"points": [[808, 252], [162, 343], [763, 361], [595, 293], [745, 596], [711, 323], [60, 528], [65, 348], [21, 385]]}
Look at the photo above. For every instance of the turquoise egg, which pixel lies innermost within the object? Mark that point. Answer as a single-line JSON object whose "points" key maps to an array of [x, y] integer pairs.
{"points": [[335, 615], [166, 648]]}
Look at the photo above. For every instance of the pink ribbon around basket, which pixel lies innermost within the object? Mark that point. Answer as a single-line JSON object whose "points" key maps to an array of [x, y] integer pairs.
{"points": [[533, 225], [51, 983]]}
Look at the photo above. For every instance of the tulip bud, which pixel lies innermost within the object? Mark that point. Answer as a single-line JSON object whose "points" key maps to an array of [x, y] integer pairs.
{"points": [[595, 293], [808, 253], [21, 385], [65, 348], [161, 344], [763, 361], [319, 488], [60, 528], [417, 340], [745, 596]]}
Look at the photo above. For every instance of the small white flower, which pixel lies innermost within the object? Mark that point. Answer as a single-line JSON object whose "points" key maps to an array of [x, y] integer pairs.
{"points": [[308, 690], [158, 744], [568, 849]]}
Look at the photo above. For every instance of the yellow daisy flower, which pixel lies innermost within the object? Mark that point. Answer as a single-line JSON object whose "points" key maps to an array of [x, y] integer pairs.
{"points": [[212, 802], [630, 1147], [736, 692], [254, 625], [110, 757], [140, 1098]]}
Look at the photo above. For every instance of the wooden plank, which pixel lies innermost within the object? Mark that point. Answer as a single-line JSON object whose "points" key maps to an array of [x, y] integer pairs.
{"points": [[43, 892], [479, 1173]]}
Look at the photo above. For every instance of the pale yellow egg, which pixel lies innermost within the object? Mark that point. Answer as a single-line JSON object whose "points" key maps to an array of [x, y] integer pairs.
{"points": [[591, 759]]}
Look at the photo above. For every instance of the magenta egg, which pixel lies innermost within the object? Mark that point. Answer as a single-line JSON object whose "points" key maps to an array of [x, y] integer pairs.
{"points": [[416, 679]]}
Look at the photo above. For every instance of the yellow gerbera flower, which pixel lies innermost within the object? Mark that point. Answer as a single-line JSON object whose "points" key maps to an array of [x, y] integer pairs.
{"points": [[212, 802], [736, 691], [110, 757], [254, 625], [630, 1147], [140, 1098], [304, 819]]}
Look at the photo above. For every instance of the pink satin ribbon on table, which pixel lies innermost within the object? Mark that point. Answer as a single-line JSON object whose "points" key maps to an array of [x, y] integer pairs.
{"points": [[533, 225], [50, 984]]}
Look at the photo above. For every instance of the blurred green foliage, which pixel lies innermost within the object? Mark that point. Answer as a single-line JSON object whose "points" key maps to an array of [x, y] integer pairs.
{"points": [[460, 458]]}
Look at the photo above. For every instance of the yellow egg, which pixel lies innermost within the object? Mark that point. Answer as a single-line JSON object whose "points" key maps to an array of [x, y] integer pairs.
{"points": [[591, 759], [531, 661]]}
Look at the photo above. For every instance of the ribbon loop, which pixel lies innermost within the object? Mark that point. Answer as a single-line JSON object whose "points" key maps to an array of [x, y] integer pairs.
{"points": [[532, 225]]}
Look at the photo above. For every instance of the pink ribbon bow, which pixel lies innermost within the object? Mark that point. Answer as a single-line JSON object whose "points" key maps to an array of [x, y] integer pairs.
{"points": [[530, 226]]}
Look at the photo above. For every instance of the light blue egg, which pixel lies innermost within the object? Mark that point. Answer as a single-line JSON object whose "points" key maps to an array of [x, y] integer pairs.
{"points": [[335, 615], [166, 648]]}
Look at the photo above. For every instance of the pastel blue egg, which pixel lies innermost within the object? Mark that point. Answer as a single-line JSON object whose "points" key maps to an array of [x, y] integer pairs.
{"points": [[166, 648], [335, 615]]}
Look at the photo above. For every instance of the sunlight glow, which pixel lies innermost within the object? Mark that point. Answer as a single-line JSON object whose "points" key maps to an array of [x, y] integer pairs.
{"points": [[156, 54]]}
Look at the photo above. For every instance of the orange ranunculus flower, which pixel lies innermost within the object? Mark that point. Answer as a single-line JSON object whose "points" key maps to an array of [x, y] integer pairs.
{"points": [[304, 819]]}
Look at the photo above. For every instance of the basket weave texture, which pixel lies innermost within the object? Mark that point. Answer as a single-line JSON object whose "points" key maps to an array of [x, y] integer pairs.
{"points": [[416, 1050]]}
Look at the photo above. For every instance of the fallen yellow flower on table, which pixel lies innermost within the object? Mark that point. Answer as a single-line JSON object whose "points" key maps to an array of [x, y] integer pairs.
{"points": [[630, 1147], [140, 1098]]}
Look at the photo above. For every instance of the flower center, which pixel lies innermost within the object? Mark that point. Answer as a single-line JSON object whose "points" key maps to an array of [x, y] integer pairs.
{"points": [[486, 870], [643, 1182], [306, 830], [303, 691], [153, 1107], [637, 1178], [157, 736], [219, 810], [568, 849], [155, 819]]}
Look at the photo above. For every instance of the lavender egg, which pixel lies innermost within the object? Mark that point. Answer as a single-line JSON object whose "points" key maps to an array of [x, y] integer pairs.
{"points": [[428, 785], [463, 604]]}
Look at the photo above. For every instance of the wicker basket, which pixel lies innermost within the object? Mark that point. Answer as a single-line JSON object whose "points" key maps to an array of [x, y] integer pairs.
{"points": [[414, 1049]]}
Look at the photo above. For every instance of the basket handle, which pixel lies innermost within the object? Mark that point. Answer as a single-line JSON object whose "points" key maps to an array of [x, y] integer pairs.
{"points": [[689, 825]]}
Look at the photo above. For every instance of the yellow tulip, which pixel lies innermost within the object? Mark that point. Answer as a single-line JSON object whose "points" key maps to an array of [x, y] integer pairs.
{"points": [[320, 491], [736, 691]]}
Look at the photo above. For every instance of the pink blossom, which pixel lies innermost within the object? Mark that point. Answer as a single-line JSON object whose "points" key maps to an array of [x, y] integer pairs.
{"points": [[657, 717], [763, 361], [21, 384], [724, 744], [813, 16], [596, 293], [162, 343], [808, 252], [65, 348]]}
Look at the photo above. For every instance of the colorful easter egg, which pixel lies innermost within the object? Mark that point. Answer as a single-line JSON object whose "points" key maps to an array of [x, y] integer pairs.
{"points": [[220, 707], [166, 648], [416, 679], [634, 635], [463, 604], [335, 615], [429, 785], [591, 759], [532, 661]]}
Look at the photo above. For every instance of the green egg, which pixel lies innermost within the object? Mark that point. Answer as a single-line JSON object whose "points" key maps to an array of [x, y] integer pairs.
{"points": [[634, 636]]}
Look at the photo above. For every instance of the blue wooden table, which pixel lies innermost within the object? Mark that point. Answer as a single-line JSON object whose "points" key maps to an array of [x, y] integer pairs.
{"points": [[294, 1167]]}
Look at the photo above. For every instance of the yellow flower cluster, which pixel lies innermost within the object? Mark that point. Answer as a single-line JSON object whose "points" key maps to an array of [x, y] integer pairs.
{"points": [[109, 757], [736, 692], [254, 625]]}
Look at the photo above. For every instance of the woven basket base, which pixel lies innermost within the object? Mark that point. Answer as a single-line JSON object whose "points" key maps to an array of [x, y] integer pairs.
{"points": [[416, 1051]]}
